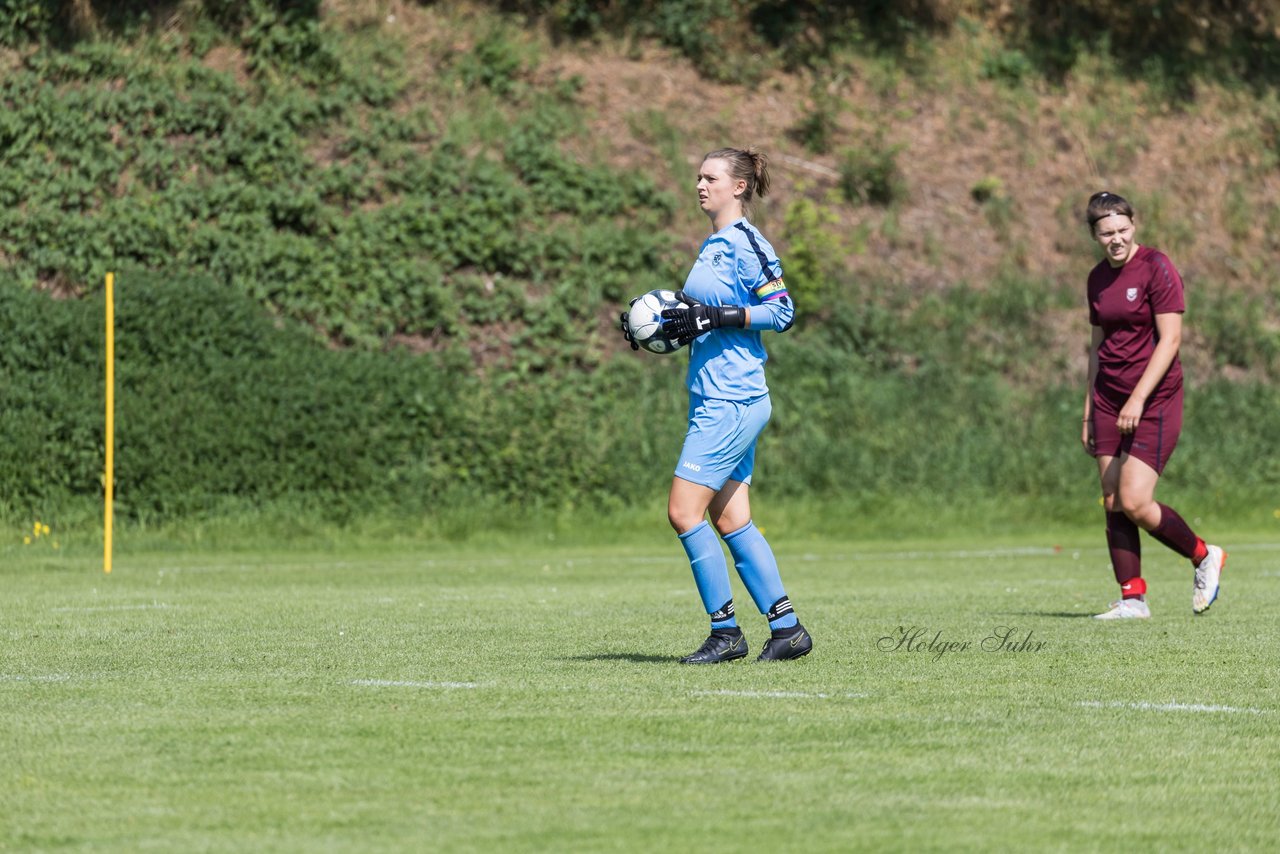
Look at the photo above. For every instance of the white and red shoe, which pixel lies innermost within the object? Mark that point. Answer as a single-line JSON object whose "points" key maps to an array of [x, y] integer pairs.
{"points": [[1204, 588], [1126, 609]]}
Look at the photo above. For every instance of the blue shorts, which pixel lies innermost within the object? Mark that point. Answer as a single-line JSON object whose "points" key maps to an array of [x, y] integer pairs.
{"points": [[721, 443]]}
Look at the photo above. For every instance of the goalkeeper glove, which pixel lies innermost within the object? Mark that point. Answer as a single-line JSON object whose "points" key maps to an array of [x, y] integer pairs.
{"points": [[682, 325], [626, 327]]}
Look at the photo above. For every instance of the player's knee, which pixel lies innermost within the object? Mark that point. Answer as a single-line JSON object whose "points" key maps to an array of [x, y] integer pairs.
{"points": [[682, 520], [727, 523], [1137, 508]]}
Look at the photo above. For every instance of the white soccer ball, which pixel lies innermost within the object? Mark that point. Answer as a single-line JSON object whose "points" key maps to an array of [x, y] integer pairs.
{"points": [[644, 320]]}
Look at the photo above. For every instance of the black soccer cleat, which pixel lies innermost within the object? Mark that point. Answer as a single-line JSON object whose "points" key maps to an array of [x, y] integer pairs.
{"points": [[787, 643], [721, 645]]}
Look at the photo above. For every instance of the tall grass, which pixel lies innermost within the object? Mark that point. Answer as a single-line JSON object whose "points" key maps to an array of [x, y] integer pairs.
{"points": [[217, 405]]}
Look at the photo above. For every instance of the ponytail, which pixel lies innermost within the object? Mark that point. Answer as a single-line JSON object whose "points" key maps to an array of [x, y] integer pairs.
{"points": [[748, 165]]}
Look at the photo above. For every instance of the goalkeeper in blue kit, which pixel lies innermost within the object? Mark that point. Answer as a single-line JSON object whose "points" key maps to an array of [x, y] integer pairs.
{"points": [[733, 293]]}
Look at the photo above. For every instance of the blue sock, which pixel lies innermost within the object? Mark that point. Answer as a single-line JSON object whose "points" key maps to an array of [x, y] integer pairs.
{"points": [[711, 573], [759, 570]]}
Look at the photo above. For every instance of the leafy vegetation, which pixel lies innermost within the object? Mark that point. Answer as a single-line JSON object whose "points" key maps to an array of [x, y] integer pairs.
{"points": [[216, 399], [869, 173], [234, 406], [350, 284], [184, 169]]}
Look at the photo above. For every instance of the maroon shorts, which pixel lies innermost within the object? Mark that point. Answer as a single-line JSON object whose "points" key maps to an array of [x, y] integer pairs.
{"points": [[1154, 440]]}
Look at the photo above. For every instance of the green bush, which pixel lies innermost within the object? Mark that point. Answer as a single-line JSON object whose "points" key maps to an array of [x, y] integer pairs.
{"points": [[819, 122], [1008, 66], [493, 62], [1235, 328], [22, 21], [814, 258], [218, 401], [185, 168], [51, 398], [215, 399], [869, 172]]}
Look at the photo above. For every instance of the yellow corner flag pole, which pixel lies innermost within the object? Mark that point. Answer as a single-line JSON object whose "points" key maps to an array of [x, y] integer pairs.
{"points": [[111, 421]]}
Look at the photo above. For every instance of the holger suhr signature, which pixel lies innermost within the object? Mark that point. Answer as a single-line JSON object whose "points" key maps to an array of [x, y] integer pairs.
{"points": [[926, 640]]}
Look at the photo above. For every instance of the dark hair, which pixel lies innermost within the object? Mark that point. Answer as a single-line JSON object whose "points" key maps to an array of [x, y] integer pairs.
{"points": [[748, 165], [1105, 204]]}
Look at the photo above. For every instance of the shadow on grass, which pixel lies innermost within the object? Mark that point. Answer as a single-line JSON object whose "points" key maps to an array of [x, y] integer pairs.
{"points": [[1058, 614], [625, 656]]}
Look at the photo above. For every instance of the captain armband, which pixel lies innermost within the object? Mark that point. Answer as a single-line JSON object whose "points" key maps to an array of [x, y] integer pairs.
{"points": [[775, 289]]}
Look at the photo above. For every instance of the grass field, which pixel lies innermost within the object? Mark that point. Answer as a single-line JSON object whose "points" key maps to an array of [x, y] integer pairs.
{"points": [[526, 698]]}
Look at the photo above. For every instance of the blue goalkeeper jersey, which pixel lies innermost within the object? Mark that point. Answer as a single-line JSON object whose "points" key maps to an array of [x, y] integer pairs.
{"points": [[736, 266]]}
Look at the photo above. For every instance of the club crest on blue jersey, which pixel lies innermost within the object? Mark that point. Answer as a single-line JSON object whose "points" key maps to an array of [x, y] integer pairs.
{"points": [[715, 259]]}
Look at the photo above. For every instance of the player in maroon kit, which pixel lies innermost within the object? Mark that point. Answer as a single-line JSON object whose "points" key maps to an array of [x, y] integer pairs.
{"points": [[1133, 406]]}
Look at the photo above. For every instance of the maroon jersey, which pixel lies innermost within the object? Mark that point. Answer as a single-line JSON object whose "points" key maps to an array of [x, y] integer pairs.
{"points": [[1124, 301]]}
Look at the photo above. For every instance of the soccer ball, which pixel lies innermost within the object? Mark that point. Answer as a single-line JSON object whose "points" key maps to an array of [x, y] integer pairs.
{"points": [[644, 320]]}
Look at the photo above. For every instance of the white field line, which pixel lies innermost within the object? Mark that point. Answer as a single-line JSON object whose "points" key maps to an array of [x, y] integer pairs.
{"points": [[395, 683], [1174, 707], [779, 695], [154, 606]]}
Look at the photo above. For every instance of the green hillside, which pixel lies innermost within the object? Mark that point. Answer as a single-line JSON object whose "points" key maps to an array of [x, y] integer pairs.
{"points": [[370, 254]]}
